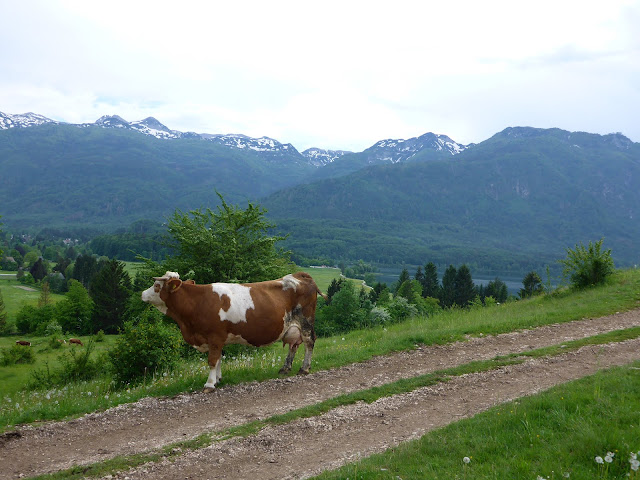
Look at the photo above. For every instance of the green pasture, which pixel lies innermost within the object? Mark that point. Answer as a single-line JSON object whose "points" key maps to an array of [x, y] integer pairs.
{"points": [[621, 293], [15, 295], [14, 378]]}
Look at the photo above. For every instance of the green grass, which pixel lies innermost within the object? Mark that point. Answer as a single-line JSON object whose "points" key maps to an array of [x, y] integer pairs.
{"points": [[554, 435], [621, 293], [14, 296], [369, 396]]}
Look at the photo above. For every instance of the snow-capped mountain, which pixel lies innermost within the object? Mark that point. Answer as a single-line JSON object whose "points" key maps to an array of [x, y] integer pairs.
{"points": [[396, 151], [321, 157], [22, 120], [384, 151], [243, 142]]}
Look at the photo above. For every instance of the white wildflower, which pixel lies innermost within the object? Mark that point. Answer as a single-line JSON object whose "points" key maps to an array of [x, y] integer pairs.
{"points": [[599, 460], [466, 459]]}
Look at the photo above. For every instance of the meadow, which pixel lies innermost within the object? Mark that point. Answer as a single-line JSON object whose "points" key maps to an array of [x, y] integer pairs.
{"points": [[558, 433]]}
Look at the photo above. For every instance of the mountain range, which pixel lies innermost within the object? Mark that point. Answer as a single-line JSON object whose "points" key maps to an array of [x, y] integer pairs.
{"points": [[510, 203]]}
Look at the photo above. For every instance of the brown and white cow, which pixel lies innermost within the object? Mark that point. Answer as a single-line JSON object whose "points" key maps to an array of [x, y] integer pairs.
{"points": [[211, 316], [23, 342], [75, 341]]}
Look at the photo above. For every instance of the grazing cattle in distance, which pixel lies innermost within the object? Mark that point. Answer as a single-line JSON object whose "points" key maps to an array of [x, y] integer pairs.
{"points": [[23, 342], [77, 341], [211, 316]]}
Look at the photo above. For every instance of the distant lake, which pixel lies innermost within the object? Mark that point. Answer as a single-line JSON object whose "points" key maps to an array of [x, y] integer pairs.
{"points": [[390, 275]]}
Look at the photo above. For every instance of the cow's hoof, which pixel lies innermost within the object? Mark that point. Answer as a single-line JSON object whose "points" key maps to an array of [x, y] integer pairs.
{"points": [[284, 371], [208, 389], [303, 372]]}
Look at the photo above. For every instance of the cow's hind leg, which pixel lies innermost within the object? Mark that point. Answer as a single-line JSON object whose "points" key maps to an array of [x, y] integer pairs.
{"points": [[286, 368], [309, 339]]}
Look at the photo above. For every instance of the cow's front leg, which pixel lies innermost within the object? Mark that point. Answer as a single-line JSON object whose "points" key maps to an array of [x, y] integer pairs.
{"points": [[215, 369]]}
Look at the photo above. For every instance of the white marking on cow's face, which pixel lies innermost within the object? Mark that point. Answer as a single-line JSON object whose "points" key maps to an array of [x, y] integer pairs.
{"points": [[152, 295], [289, 281], [241, 301]]}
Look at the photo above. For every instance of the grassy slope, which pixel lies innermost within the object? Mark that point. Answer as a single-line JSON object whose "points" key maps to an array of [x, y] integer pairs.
{"points": [[621, 293]]}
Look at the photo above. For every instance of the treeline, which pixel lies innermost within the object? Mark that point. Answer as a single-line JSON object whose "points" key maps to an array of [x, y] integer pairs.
{"points": [[348, 308]]}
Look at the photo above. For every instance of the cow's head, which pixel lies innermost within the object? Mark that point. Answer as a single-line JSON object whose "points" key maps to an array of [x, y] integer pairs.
{"points": [[168, 283]]}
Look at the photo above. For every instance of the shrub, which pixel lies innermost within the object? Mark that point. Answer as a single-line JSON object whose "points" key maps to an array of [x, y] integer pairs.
{"points": [[76, 365], [54, 342], [145, 346], [17, 354], [379, 316], [586, 266], [99, 336], [400, 309]]}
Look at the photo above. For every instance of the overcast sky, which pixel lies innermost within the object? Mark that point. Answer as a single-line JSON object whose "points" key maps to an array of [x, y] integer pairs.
{"points": [[330, 74]]}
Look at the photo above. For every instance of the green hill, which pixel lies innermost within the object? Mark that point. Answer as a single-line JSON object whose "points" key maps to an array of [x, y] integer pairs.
{"points": [[57, 175], [517, 199]]}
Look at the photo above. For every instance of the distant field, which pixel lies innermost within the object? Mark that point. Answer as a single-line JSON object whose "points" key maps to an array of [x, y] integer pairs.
{"points": [[14, 377], [322, 276], [15, 295]]}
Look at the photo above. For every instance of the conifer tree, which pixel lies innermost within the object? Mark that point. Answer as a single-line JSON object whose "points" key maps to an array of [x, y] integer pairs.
{"points": [[110, 290], [464, 288], [448, 290], [430, 285]]}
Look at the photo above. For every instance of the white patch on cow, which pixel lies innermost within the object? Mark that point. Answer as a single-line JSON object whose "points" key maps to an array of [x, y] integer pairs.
{"points": [[204, 348], [152, 295], [231, 338], [241, 301], [289, 281], [215, 374]]}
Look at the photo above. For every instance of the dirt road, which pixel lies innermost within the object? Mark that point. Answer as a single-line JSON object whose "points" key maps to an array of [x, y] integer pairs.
{"points": [[306, 447]]}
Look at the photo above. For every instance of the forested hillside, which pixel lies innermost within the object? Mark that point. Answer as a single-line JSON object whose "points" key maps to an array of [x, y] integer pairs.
{"points": [[57, 175], [509, 204], [517, 199]]}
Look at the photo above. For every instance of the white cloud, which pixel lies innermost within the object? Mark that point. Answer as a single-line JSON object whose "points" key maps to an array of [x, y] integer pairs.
{"points": [[331, 74]]}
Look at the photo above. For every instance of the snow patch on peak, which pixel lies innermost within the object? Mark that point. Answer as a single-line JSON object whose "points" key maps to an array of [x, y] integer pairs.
{"points": [[320, 157], [22, 120]]}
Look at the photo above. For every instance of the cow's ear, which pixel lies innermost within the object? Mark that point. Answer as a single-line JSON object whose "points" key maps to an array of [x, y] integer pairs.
{"points": [[190, 282], [174, 284]]}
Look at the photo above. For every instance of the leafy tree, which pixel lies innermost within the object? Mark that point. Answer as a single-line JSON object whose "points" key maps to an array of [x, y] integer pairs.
{"points": [[230, 244], [74, 312], [404, 276], [411, 290], [45, 295], [110, 290], [586, 266], [464, 287], [532, 284], [31, 257], [448, 290], [346, 312]]}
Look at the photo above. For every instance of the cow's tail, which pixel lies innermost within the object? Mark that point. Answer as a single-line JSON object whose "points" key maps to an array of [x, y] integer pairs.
{"points": [[321, 294]]}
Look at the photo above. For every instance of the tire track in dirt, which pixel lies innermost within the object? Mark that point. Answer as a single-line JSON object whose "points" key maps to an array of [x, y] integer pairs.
{"points": [[152, 423], [306, 447]]}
